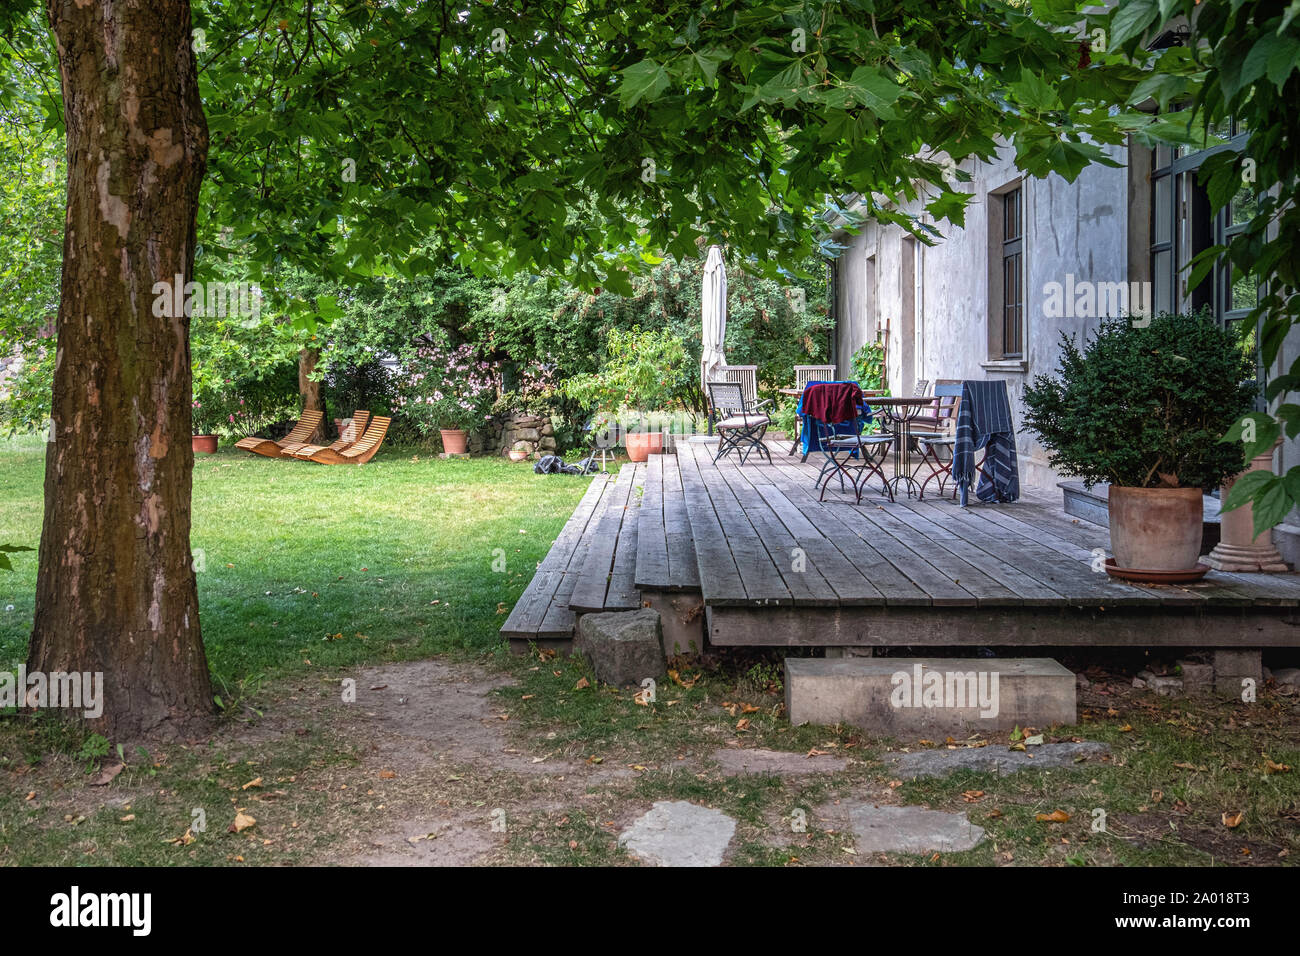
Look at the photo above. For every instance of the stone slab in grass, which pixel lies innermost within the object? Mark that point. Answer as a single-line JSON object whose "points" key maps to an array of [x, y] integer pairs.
{"points": [[736, 761], [911, 830], [994, 758], [677, 833]]}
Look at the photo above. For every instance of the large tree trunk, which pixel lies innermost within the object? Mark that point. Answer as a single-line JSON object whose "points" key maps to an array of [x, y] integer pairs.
{"points": [[309, 390], [116, 591]]}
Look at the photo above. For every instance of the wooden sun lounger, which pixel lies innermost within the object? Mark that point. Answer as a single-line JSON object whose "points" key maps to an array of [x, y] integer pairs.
{"points": [[276, 449], [356, 454], [349, 436]]}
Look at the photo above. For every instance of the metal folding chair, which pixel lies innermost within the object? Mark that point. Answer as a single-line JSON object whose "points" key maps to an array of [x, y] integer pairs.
{"points": [[841, 448], [740, 425]]}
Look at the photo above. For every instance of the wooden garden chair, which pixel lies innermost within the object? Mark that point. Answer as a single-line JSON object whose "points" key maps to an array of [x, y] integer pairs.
{"points": [[746, 376], [271, 448], [803, 374], [350, 435], [356, 454], [742, 423]]}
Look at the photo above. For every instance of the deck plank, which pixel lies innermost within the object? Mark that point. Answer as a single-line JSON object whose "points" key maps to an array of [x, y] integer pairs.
{"points": [[542, 610], [719, 575], [800, 572], [759, 574], [623, 594], [836, 521], [593, 584], [683, 567], [989, 587], [1070, 575], [851, 586], [652, 570]]}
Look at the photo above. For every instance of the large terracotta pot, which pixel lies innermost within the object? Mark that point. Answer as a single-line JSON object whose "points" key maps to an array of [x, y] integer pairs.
{"points": [[1156, 529], [204, 444], [455, 441], [641, 445]]}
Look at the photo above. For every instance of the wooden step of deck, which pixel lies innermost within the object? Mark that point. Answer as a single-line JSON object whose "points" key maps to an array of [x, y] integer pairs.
{"points": [[542, 613], [885, 695], [665, 552], [607, 581]]}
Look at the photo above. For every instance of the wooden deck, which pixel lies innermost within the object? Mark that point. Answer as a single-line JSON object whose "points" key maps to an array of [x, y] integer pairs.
{"points": [[590, 567], [774, 566]]}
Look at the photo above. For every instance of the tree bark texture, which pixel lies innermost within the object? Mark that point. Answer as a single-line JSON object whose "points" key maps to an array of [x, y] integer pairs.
{"points": [[116, 590]]}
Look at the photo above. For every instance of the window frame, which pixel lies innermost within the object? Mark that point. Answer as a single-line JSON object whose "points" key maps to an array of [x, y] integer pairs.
{"points": [[1011, 335], [1180, 246]]}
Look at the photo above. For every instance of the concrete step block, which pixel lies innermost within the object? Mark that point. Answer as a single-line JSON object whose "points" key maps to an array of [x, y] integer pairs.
{"points": [[934, 697]]}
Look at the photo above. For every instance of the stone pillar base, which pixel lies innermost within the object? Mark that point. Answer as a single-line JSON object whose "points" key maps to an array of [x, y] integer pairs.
{"points": [[1245, 558]]}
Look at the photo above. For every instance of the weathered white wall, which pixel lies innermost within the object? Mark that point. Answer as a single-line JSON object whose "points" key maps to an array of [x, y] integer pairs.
{"points": [[1075, 228]]}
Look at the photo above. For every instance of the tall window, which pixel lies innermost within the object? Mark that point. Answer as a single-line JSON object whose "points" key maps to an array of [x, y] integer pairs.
{"points": [[1013, 274], [1182, 225]]}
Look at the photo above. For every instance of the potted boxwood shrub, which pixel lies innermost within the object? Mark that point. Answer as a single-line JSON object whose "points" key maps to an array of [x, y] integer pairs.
{"points": [[1143, 405], [640, 375]]}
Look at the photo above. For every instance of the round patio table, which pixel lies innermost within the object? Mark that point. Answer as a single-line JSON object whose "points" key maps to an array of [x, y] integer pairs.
{"points": [[900, 413]]}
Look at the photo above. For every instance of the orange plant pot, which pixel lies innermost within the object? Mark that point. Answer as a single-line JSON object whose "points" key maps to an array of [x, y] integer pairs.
{"points": [[641, 445], [454, 441], [204, 444], [1155, 529]]}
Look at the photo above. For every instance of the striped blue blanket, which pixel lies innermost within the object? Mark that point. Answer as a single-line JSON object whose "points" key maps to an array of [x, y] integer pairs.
{"points": [[984, 421]]}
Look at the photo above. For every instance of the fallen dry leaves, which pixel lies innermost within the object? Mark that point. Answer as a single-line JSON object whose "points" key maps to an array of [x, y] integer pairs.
{"points": [[107, 775]]}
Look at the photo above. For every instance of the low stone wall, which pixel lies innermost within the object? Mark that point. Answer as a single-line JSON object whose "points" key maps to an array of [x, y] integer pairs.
{"points": [[530, 435]]}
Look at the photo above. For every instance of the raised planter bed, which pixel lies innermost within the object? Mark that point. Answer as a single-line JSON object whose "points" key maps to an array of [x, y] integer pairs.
{"points": [[1089, 504]]}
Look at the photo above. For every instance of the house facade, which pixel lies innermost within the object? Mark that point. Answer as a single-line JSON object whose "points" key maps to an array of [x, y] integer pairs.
{"points": [[1037, 258]]}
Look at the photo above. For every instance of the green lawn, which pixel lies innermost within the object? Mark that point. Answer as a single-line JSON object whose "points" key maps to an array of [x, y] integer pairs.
{"points": [[333, 565], [310, 571]]}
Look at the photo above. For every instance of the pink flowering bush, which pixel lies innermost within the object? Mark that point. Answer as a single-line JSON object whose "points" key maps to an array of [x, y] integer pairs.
{"points": [[218, 408], [441, 386]]}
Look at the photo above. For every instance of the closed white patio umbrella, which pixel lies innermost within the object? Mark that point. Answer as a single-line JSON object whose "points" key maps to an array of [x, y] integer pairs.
{"points": [[714, 315]]}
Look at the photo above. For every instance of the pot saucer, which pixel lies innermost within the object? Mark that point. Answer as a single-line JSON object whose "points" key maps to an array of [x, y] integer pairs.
{"points": [[1156, 577]]}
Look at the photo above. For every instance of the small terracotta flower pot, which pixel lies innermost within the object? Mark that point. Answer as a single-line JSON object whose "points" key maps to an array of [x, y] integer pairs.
{"points": [[455, 441], [641, 445], [1155, 529], [204, 444]]}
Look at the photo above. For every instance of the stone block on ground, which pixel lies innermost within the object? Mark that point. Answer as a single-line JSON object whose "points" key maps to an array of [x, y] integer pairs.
{"points": [[1163, 684], [623, 647], [736, 761], [1287, 676], [1233, 667], [993, 759], [911, 830], [677, 833], [911, 697], [1197, 678]]}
